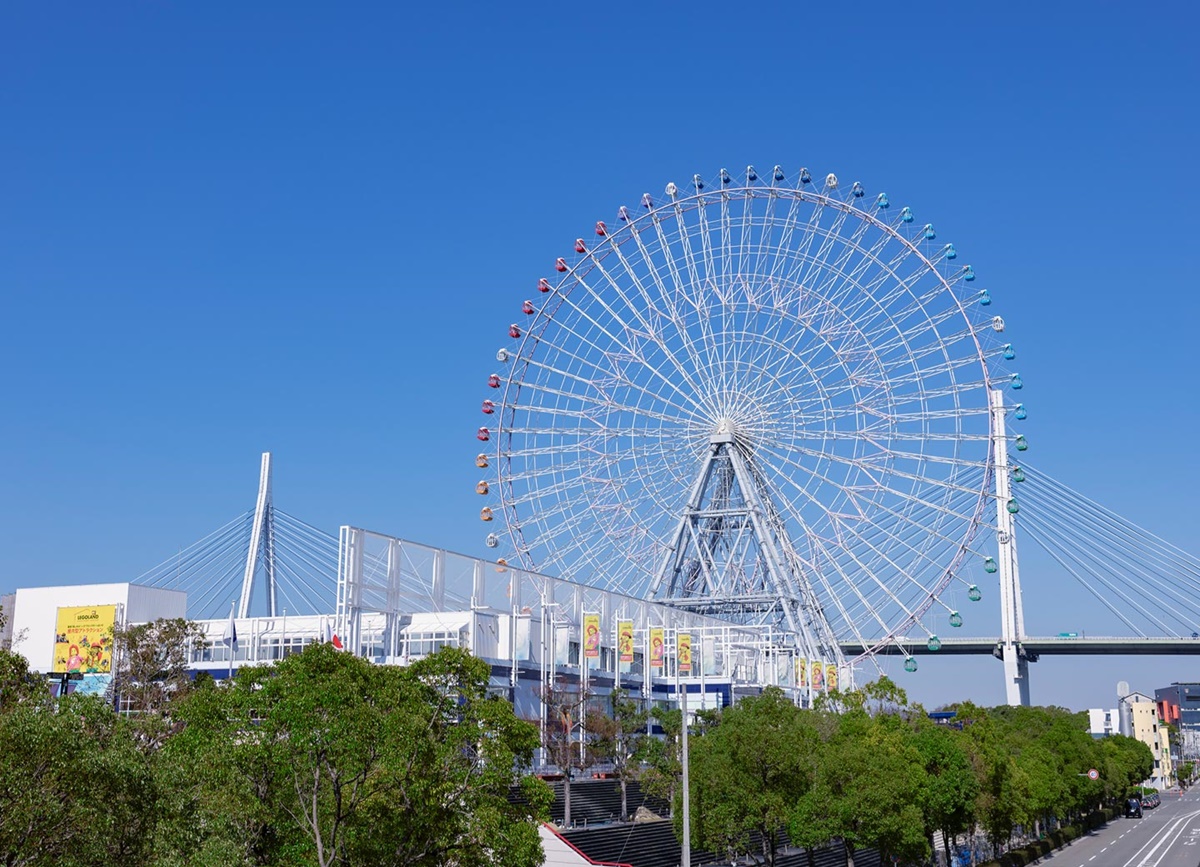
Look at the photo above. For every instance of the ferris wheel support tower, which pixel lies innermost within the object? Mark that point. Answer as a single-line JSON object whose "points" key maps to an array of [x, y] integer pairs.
{"points": [[1011, 649], [730, 553]]}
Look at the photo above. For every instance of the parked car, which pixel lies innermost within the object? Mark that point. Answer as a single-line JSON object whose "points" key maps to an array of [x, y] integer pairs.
{"points": [[1151, 801], [1133, 809]]}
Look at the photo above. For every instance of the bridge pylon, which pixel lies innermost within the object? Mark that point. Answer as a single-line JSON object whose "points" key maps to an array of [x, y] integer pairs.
{"points": [[1010, 650], [261, 551]]}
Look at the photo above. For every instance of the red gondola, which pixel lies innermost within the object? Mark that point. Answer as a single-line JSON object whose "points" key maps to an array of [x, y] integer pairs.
{"points": [[483, 435], [560, 264], [527, 308], [580, 247], [488, 407], [513, 331], [544, 284], [601, 229], [494, 381]]}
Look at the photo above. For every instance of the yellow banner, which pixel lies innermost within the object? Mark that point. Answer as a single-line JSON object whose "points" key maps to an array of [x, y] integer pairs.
{"points": [[625, 640], [818, 675], [83, 639], [802, 673], [684, 643], [831, 677], [656, 647], [591, 635]]}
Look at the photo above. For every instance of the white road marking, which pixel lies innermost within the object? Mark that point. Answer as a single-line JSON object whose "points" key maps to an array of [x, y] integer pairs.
{"points": [[1176, 827]]}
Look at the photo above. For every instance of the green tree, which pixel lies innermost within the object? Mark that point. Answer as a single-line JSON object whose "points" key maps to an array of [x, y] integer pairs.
{"points": [[948, 797], [660, 757], [18, 685], [151, 661], [565, 734], [326, 759], [150, 670], [867, 786], [1184, 771], [746, 772], [74, 789], [617, 738]]}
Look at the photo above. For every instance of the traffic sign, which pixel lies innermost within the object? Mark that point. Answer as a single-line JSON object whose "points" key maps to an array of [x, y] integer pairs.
{"points": [[1093, 774]]}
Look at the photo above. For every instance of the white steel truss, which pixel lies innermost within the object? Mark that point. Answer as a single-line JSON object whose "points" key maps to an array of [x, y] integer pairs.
{"points": [[730, 554]]}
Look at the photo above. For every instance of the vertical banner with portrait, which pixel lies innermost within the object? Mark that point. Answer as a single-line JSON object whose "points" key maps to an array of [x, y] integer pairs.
{"points": [[831, 677], [818, 675], [591, 635], [683, 644], [802, 673], [625, 640], [656, 647]]}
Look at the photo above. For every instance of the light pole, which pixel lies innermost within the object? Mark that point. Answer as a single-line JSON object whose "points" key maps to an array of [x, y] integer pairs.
{"points": [[686, 853]]}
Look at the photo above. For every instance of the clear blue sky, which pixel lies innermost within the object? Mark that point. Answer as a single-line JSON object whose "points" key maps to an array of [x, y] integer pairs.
{"points": [[304, 228]]}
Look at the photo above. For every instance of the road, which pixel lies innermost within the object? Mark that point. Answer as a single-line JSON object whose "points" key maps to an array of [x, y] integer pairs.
{"points": [[1167, 836]]}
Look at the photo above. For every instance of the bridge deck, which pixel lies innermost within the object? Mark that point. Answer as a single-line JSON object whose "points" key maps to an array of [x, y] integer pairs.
{"points": [[1099, 646]]}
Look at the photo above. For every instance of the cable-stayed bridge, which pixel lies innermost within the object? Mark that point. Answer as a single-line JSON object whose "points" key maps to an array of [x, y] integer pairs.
{"points": [[1142, 593]]}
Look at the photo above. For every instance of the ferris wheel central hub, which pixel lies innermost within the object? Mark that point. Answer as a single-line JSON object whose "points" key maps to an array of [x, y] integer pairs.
{"points": [[726, 430]]}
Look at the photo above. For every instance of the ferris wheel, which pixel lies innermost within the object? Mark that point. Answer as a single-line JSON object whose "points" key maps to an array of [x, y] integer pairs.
{"points": [[766, 398]]}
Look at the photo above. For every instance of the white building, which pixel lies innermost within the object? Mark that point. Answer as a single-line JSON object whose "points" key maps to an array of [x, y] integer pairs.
{"points": [[35, 613], [1103, 722]]}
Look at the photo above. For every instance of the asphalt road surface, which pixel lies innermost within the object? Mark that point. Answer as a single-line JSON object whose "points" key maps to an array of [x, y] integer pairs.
{"points": [[1167, 836]]}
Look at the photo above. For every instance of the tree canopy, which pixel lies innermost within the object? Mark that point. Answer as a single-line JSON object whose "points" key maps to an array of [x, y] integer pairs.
{"points": [[323, 759], [870, 770]]}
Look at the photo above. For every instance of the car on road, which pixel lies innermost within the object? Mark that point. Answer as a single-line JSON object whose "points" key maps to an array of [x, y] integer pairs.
{"points": [[1151, 801], [1133, 808]]}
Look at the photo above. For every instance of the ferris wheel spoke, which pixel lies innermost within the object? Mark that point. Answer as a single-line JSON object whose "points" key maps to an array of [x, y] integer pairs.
{"points": [[789, 481], [861, 569], [666, 297], [619, 350], [589, 407], [651, 320], [698, 282], [783, 248]]}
